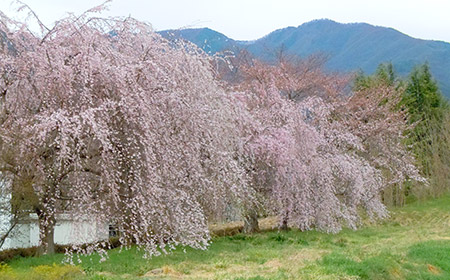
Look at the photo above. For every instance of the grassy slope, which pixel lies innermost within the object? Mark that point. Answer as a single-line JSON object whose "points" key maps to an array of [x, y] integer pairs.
{"points": [[413, 244]]}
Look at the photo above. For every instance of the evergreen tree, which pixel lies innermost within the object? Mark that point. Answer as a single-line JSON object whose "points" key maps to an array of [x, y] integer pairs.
{"points": [[426, 107], [384, 75], [422, 97]]}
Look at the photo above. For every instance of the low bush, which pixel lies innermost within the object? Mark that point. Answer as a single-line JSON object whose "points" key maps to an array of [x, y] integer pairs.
{"points": [[56, 272], [10, 254], [6, 272]]}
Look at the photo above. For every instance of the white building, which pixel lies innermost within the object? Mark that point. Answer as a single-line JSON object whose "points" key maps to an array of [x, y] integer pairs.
{"points": [[67, 231]]}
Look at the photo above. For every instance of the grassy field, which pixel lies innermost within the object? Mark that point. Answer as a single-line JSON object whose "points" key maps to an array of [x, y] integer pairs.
{"points": [[413, 244]]}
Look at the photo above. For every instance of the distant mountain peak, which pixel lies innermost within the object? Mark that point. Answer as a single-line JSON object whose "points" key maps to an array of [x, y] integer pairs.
{"points": [[320, 21], [349, 46]]}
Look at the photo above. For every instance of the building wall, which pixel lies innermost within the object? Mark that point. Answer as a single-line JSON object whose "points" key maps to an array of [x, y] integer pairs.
{"points": [[67, 231]]}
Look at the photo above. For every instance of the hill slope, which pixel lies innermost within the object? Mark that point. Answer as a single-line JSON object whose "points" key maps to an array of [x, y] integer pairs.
{"points": [[349, 47], [207, 39]]}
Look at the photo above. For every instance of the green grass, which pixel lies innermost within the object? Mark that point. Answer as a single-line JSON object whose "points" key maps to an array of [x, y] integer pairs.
{"points": [[414, 243]]}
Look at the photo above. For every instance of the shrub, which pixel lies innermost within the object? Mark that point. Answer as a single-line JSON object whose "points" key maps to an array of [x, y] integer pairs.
{"points": [[6, 272], [56, 272], [9, 254]]}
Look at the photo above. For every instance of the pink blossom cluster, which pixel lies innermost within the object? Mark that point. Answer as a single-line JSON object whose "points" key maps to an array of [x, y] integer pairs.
{"points": [[106, 119]]}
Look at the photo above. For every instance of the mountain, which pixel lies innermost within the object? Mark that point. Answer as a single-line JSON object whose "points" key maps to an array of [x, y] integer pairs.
{"points": [[349, 47], [207, 39]]}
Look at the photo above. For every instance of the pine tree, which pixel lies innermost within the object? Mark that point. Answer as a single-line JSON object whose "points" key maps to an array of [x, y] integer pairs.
{"points": [[426, 107]]}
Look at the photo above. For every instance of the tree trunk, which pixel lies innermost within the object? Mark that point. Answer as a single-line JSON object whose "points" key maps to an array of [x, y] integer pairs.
{"points": [[251, 222], [284, 221], [46, 234]]}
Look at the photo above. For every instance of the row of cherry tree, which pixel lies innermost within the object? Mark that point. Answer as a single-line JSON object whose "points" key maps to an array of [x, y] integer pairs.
{"points": [[321, 154], [105, 120]]}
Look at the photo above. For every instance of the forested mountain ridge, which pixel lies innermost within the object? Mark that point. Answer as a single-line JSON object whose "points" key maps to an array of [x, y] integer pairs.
{"points": [[348, 47]]}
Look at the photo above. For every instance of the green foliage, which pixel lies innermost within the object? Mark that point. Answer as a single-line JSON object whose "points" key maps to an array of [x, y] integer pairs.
{"points": [[423, 97], [361, 81], [429, 114], [384, 75]]}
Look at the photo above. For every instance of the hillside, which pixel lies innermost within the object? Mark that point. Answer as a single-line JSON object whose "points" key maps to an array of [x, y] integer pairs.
{"points": [[349, 47], [207, 39]]}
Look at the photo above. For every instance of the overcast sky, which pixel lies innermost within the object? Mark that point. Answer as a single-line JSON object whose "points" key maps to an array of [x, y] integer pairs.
{"points": [[252, 19]]}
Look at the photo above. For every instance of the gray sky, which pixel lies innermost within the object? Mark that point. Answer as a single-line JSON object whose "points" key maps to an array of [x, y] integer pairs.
{"points": [[252, 19]]}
